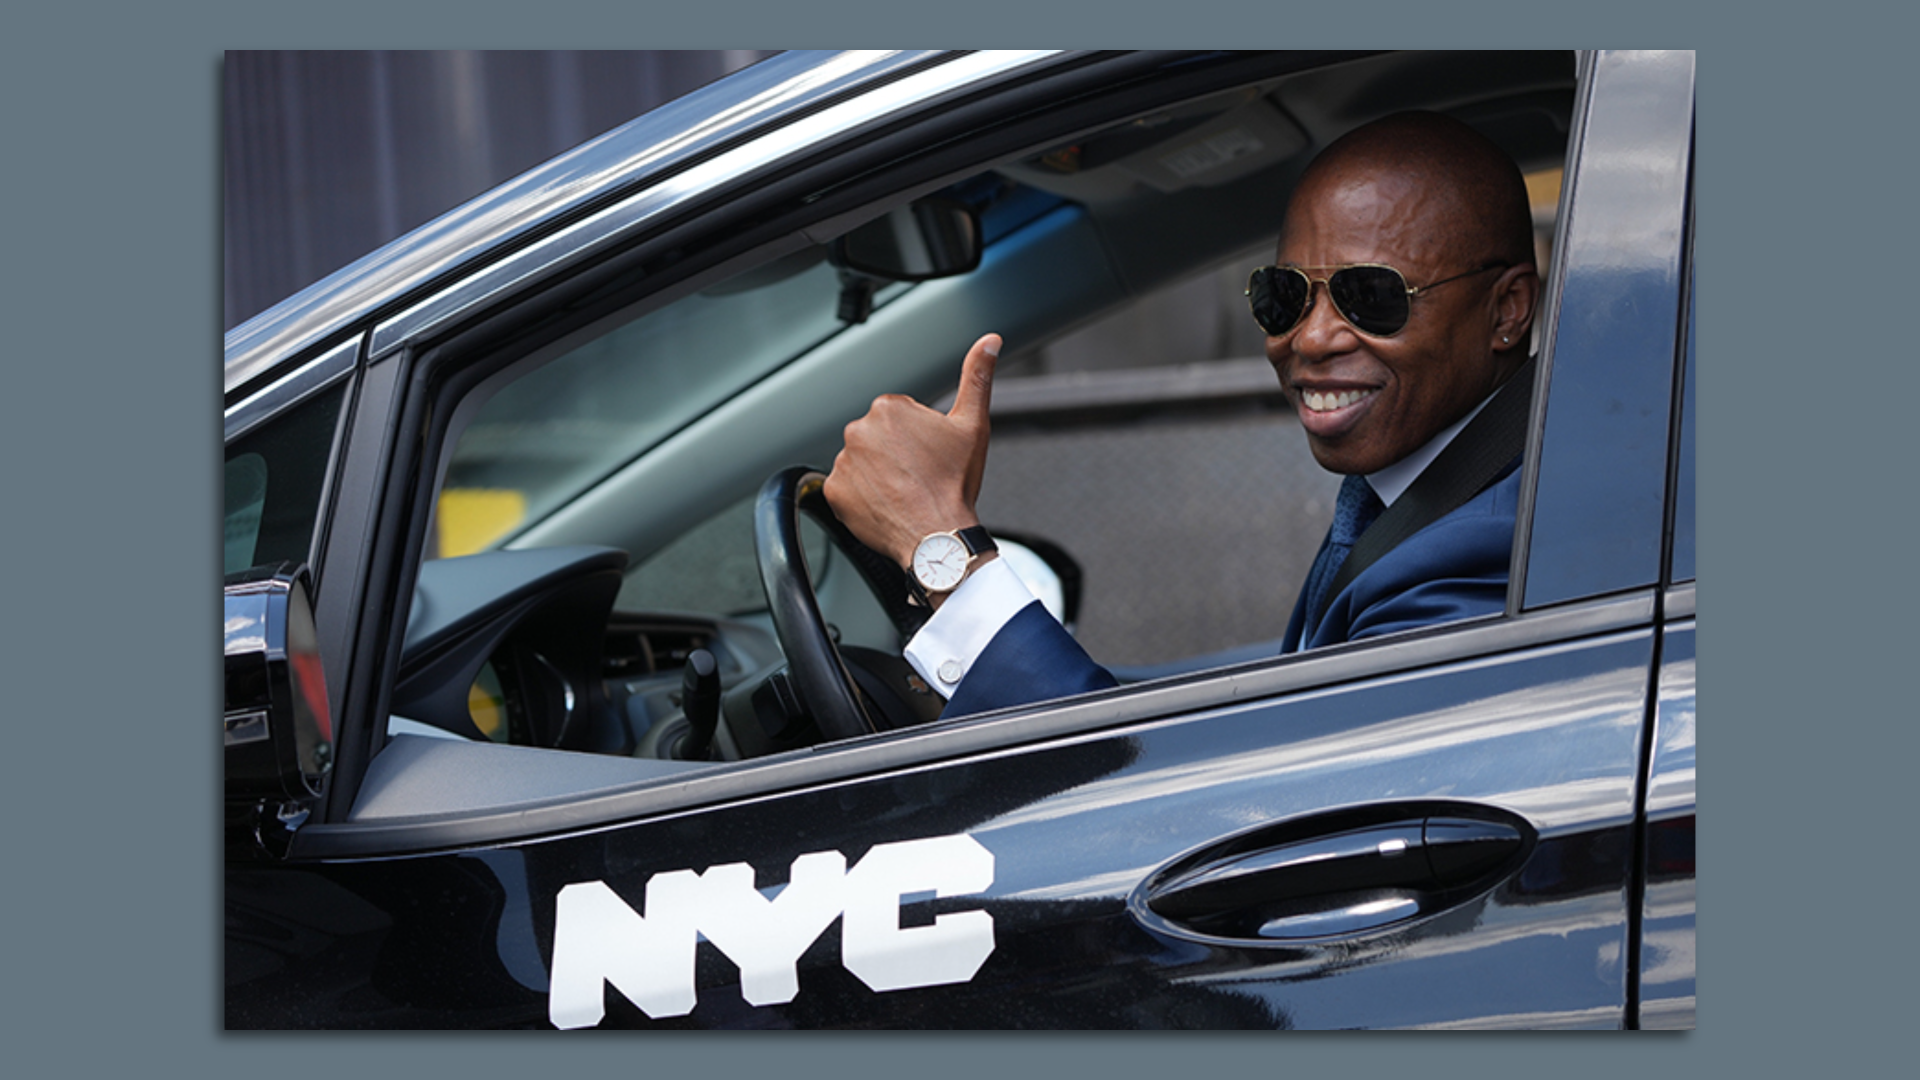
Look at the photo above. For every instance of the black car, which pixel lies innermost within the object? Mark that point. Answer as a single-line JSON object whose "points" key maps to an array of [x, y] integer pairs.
{"points": [[552, 698]]}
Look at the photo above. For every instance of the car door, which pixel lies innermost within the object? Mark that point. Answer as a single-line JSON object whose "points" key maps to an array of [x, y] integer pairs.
{"points": [[1437, 829]]}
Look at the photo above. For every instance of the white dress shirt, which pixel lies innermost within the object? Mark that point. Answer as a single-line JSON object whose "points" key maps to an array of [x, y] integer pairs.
{"points": [[956, 634]]}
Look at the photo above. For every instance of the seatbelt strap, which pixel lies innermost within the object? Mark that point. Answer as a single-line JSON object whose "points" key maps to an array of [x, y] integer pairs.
{"points": [[1484, 451]]}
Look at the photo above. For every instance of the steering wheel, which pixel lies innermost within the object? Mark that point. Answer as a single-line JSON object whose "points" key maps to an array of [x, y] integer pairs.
{"points": [[819, 675]]}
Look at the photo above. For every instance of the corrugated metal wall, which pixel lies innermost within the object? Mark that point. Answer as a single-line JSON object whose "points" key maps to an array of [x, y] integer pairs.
{"points": [[329, 155]]}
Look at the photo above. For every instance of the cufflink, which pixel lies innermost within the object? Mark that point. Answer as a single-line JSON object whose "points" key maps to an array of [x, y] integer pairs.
{"points": [[949, 672]]}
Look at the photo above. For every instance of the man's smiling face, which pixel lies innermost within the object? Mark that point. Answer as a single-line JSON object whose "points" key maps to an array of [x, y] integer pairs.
{"points": [[1368, 401]]}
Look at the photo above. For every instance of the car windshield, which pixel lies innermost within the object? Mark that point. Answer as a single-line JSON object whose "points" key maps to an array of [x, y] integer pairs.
{"points": [[557, 432], [554, 434]]}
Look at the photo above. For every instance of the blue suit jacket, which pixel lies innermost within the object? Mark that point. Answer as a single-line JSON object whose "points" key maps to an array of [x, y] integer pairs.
{"points": [[1455, 568]]}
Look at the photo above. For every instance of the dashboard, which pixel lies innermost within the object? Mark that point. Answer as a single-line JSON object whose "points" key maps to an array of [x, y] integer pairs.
{"points": [[524, 648]]}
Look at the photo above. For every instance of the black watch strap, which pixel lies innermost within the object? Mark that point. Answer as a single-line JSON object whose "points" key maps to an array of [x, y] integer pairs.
{"points": [[977, 540]]}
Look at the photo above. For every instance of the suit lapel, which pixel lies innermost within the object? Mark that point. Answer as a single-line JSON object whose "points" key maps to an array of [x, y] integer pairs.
{"points": [[1484, 451]]}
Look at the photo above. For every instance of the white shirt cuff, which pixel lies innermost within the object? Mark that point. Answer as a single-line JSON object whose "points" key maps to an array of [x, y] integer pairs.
{"points": [[946, 647]]}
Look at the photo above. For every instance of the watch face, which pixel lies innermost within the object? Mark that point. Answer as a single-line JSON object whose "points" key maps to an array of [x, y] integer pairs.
{"points": [[940, 562]]}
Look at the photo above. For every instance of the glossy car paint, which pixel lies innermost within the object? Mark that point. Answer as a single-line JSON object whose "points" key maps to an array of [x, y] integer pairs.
{"points": [[1074, 824], [1667, 998], [450, 923]]}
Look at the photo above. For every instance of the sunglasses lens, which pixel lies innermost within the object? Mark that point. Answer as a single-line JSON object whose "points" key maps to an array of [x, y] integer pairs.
{"points": [[1278, 297], [1373, 298]]}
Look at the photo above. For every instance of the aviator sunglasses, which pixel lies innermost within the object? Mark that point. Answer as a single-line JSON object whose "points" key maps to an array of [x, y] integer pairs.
{"points": [[1375, 299]]}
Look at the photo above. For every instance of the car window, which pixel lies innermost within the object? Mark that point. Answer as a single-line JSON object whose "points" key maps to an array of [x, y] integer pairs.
{"points": [[273, 484], [1167, 402], [554, 433], [1141, 438], [548, 436], [1154, 446], [246, 498], [1170, 404], [711, 567]]}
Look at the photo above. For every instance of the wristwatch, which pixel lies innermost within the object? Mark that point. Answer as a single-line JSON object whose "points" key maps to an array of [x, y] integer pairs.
{"points": [[943, 560]]}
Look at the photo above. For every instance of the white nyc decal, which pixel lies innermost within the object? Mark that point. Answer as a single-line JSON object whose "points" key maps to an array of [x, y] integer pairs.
{"points": [[598, 939]]}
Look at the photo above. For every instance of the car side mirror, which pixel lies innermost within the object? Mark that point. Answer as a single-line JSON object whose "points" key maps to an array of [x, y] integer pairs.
{"points": [[278, 728], [931, 238]]}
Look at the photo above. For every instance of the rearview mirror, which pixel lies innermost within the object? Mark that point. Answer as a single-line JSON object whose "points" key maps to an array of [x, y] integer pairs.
{"points": [[932, 238], [278, 729]]}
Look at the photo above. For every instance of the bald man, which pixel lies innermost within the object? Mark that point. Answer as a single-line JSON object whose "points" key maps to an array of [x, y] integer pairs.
{"points": [[1397, 316]]}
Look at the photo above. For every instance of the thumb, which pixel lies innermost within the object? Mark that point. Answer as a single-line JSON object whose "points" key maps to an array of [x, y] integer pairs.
{"points": [[975, 394]]}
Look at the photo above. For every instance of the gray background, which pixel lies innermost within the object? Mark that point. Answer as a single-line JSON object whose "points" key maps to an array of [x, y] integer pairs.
{"points": [[114, 283]]}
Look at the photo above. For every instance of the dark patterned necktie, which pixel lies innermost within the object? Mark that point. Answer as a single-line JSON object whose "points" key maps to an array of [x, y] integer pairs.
{"points": [[1356, 509]]}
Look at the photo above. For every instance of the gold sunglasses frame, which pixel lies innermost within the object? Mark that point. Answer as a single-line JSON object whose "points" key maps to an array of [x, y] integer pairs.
{"points": [[1327, 280]]}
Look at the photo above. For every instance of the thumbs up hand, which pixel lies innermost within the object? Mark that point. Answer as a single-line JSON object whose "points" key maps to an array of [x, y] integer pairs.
{"points": [[907, 470]]}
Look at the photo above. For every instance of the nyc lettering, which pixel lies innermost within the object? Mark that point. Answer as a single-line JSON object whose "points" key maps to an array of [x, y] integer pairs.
{"points": [[598, 939]]}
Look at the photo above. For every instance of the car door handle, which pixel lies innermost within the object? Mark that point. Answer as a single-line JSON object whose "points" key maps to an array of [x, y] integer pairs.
{"points": [[1352, 880]]}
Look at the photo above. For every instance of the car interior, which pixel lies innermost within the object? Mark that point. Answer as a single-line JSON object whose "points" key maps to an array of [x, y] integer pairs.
{"points": [[614, 507]]}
